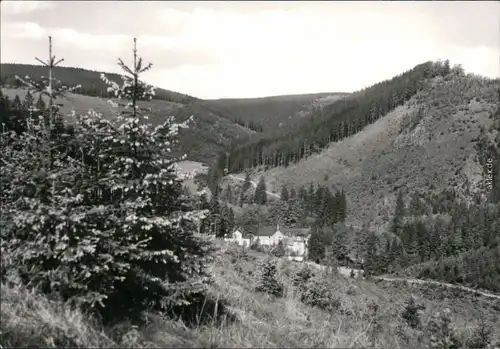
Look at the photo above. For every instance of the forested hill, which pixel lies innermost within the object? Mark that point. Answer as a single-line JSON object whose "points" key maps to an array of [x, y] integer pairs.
{"points": [[90, 80], [276, 114], [337, 121], [265, 116]]}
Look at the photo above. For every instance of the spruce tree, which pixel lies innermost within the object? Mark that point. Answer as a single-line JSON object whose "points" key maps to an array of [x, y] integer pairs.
{"points": [[284, 194], [411, 313], [267, 279], [316, 245], [416, 208], [340, 241], [371, 262], [231, 219], [28, 100], [260, 192], [279, 250], [340, 206], [213, 220], [309, 198], [40, 104], [247, 184], [229, 194], [16, 104], [141, 168], [302, 194], [317, 200], [399, 213]]}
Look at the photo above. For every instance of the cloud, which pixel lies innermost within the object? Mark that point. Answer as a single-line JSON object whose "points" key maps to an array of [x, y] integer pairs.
{"points": [[26, 30], [221, 49], [18, 7]]}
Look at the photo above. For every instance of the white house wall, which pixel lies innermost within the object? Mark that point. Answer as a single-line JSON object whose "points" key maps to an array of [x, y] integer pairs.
{"points": [[298, 247]]}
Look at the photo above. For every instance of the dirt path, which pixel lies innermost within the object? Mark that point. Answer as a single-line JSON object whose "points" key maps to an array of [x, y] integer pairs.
{"points": [[346, 272], [444, 284], [253, 185]]}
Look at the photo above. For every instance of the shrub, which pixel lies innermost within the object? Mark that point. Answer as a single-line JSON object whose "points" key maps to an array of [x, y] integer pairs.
{"points": [[318, 293], [267, 279], [411, 313], [303, 276], [256, 246], [481, 337], [278, 250], [376, 327], [440, 331], [237, 253]]}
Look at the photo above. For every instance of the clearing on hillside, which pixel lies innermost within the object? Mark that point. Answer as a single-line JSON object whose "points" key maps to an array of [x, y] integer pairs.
{"points": [[427, 144]]}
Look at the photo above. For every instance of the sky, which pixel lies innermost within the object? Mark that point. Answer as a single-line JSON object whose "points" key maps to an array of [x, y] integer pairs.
{"points": [[253, 49]]}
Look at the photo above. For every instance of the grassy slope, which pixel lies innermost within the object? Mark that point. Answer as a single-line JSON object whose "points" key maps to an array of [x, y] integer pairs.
{"points": [[400, 151], [258, 320], [208, 135], [86, 78], [277, 112]]}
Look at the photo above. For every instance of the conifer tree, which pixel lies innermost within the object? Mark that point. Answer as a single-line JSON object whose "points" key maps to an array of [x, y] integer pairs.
{"points": [[302, 194], [241, 198], [340, 206], [28, 100], [310, 196], [316, 245], [330, 257], [16, 104], [284, 194], [247, 184], [267, 279], [279, 250], [371, 263], [340, 241], [416, 206], [229, 194], [231, 219], [213, 220], [399, 213], [151, 206], [260, 192], [317, 200], [40, 104]]}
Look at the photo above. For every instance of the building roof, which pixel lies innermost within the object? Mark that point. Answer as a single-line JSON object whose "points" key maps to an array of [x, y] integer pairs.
{"points": [[244, 234], [266, 231], [291, 232], [295, 231]]}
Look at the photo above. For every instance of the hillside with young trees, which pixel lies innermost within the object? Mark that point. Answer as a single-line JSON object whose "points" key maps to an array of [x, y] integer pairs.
{"points": [[338, 121], [418, 173], [441, 137]]}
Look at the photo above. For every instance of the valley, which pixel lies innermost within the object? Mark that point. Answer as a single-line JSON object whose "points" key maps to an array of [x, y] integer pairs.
{"points": [[390, 179]]}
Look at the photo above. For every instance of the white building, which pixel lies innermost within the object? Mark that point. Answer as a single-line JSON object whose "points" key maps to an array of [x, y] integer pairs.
{"points": [[269, 236], [295, 239], [240, 238]]}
